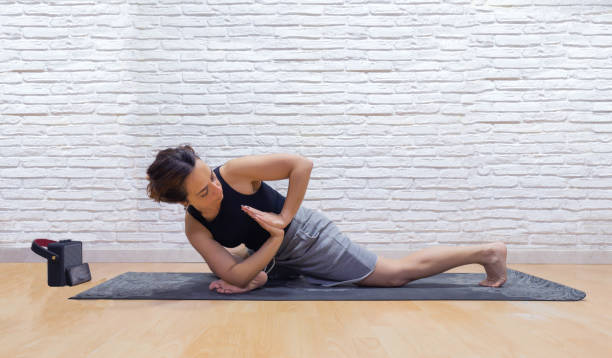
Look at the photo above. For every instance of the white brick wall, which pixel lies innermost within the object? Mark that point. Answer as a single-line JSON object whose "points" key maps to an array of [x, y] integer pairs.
{"points": [[430, 122]]}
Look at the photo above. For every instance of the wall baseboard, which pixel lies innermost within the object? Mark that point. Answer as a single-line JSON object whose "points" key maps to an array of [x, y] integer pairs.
{"points": [[190, 255]]}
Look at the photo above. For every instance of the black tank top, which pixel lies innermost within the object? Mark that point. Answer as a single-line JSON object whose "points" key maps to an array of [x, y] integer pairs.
{"points": [[232, 226]]}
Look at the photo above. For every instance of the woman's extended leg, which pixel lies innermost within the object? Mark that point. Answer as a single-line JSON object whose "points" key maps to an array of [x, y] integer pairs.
{"points": [[435, 260]]}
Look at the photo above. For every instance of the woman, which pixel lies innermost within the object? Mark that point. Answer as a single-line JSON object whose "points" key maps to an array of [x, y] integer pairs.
{"points": [[232, 205]]}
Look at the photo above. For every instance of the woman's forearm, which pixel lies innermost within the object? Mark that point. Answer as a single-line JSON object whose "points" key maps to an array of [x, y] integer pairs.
{"points": [[298, 182], [245, 271]]}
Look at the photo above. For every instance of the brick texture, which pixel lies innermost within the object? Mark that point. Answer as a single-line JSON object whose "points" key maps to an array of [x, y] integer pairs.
{"points": [[430, 122]]}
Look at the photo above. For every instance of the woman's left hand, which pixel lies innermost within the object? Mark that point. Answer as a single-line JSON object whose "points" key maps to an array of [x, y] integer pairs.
{"points": [[270, 218]]}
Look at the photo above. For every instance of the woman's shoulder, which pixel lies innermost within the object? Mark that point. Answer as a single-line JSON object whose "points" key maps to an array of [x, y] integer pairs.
{"points": [[238, 183], [193, 225]]}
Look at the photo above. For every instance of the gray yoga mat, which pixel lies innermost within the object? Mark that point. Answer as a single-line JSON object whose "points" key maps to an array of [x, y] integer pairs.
{"points": [[445, 286]]}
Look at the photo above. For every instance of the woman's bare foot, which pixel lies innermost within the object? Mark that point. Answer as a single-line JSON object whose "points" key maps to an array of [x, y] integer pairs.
{"points": [[224, 287], [495, 265]]}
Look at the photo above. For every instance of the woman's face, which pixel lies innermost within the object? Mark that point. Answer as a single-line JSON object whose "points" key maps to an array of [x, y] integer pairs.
{"points": [[204, 190]]}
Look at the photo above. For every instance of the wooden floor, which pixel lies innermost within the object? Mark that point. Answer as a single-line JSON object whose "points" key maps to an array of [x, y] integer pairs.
{"points": [[40, 321]]}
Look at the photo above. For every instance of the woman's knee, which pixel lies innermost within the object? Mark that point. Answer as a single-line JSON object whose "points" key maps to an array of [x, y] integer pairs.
{"points": [[238, 258], [387, 273]]}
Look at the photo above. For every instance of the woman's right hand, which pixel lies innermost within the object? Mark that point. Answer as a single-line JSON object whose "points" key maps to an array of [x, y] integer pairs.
{"points": [[267, 220]]}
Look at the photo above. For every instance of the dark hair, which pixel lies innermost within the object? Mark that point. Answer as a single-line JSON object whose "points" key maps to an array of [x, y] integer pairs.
{"points": [[168, 172]]}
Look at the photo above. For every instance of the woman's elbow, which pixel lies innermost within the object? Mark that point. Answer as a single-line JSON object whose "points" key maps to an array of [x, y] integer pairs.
{"points": [[306, 162]]}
